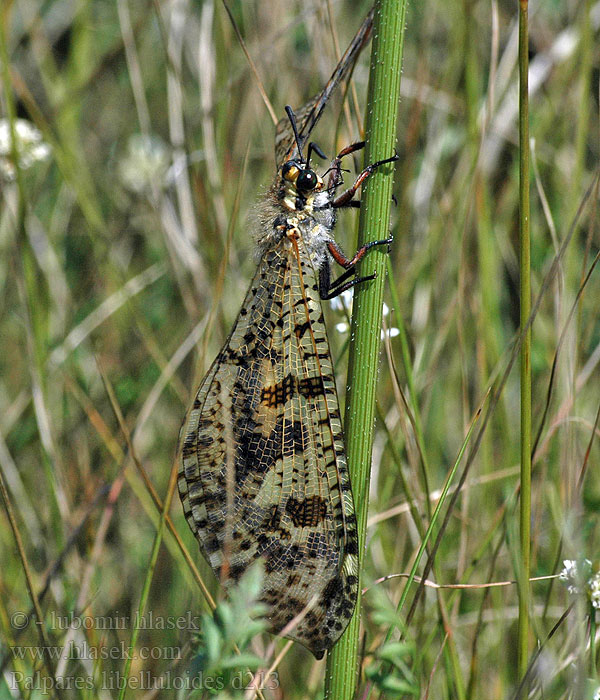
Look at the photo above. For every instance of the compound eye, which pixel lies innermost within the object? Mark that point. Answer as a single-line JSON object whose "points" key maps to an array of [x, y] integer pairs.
{"points": [[307, 180], [289, 170]]}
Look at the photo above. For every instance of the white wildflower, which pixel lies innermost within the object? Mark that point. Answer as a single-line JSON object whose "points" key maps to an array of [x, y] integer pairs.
{"points": [[31, 148], [145, 163], [579, 577], [344, 301], [594, 590], [596, 695], [569, 575]]}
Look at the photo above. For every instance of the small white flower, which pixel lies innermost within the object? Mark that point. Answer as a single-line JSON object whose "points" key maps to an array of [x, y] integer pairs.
{"points": [[596, 695], [594, 589], [568, 575], [342, 301], [145, 163], [578, 577], [31, 148], [391, 333]]}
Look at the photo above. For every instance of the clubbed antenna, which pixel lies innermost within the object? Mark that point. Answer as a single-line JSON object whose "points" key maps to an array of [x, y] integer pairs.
{"points": [[292, 117], [312, 146]]}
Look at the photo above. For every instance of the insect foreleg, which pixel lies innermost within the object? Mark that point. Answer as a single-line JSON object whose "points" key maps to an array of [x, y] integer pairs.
{"points": [[352, 148], [344, 199], [335, 177]]}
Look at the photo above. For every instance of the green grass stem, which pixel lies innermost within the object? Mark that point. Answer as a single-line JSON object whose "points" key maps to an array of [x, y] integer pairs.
{"points": [[525, 311], [436, 514], [158, 538], [382, 106], [417, 421], [450, 650]]}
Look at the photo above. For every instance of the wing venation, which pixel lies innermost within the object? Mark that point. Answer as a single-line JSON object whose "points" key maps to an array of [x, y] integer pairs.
{"points": [[263, 469]]}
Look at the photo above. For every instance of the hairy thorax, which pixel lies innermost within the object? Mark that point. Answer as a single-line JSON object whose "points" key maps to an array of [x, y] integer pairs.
{"points": [[310, 217]]}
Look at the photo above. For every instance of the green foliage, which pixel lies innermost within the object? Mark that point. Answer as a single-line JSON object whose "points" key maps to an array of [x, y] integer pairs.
{"points": [[394, 663], [399, 679], [222, 647], [124, 276]]}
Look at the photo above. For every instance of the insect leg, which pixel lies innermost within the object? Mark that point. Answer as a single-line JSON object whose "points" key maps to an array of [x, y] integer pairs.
{"points": [[329, 289], [352, 148], [345, 197], [352, 283], [335, 177], [341, 259]]}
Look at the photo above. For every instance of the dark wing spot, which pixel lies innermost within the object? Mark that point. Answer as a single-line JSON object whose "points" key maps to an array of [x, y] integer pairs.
{"points": [[255, 452], [333, 589], [301, 328], [308, 512], [311, 387], [278, 394], [295, 437]]}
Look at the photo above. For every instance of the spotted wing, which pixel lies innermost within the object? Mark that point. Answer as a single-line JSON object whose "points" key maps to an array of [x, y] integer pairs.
{"points": [[308, 115], [263, 470]]}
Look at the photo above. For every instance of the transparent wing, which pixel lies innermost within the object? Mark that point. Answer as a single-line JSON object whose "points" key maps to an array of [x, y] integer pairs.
{"points": [[308, 115], [264, 473]]}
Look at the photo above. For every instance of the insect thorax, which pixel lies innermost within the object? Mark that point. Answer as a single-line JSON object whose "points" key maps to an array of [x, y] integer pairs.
{"points": [[287, 213]]}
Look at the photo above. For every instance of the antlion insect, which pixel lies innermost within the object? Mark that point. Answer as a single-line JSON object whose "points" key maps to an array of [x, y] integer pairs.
{"points": [[263, 473]]}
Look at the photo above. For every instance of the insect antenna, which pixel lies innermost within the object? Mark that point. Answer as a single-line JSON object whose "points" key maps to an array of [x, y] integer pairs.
{"points": [[292, 117], [312, 146]]}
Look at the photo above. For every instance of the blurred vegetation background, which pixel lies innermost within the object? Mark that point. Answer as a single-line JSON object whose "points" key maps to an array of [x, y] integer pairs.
{"points": [[126, 247]]}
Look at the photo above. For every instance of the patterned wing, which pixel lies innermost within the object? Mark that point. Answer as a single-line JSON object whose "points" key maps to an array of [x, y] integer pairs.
{"points": [[263, 472], [308, 115]]}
